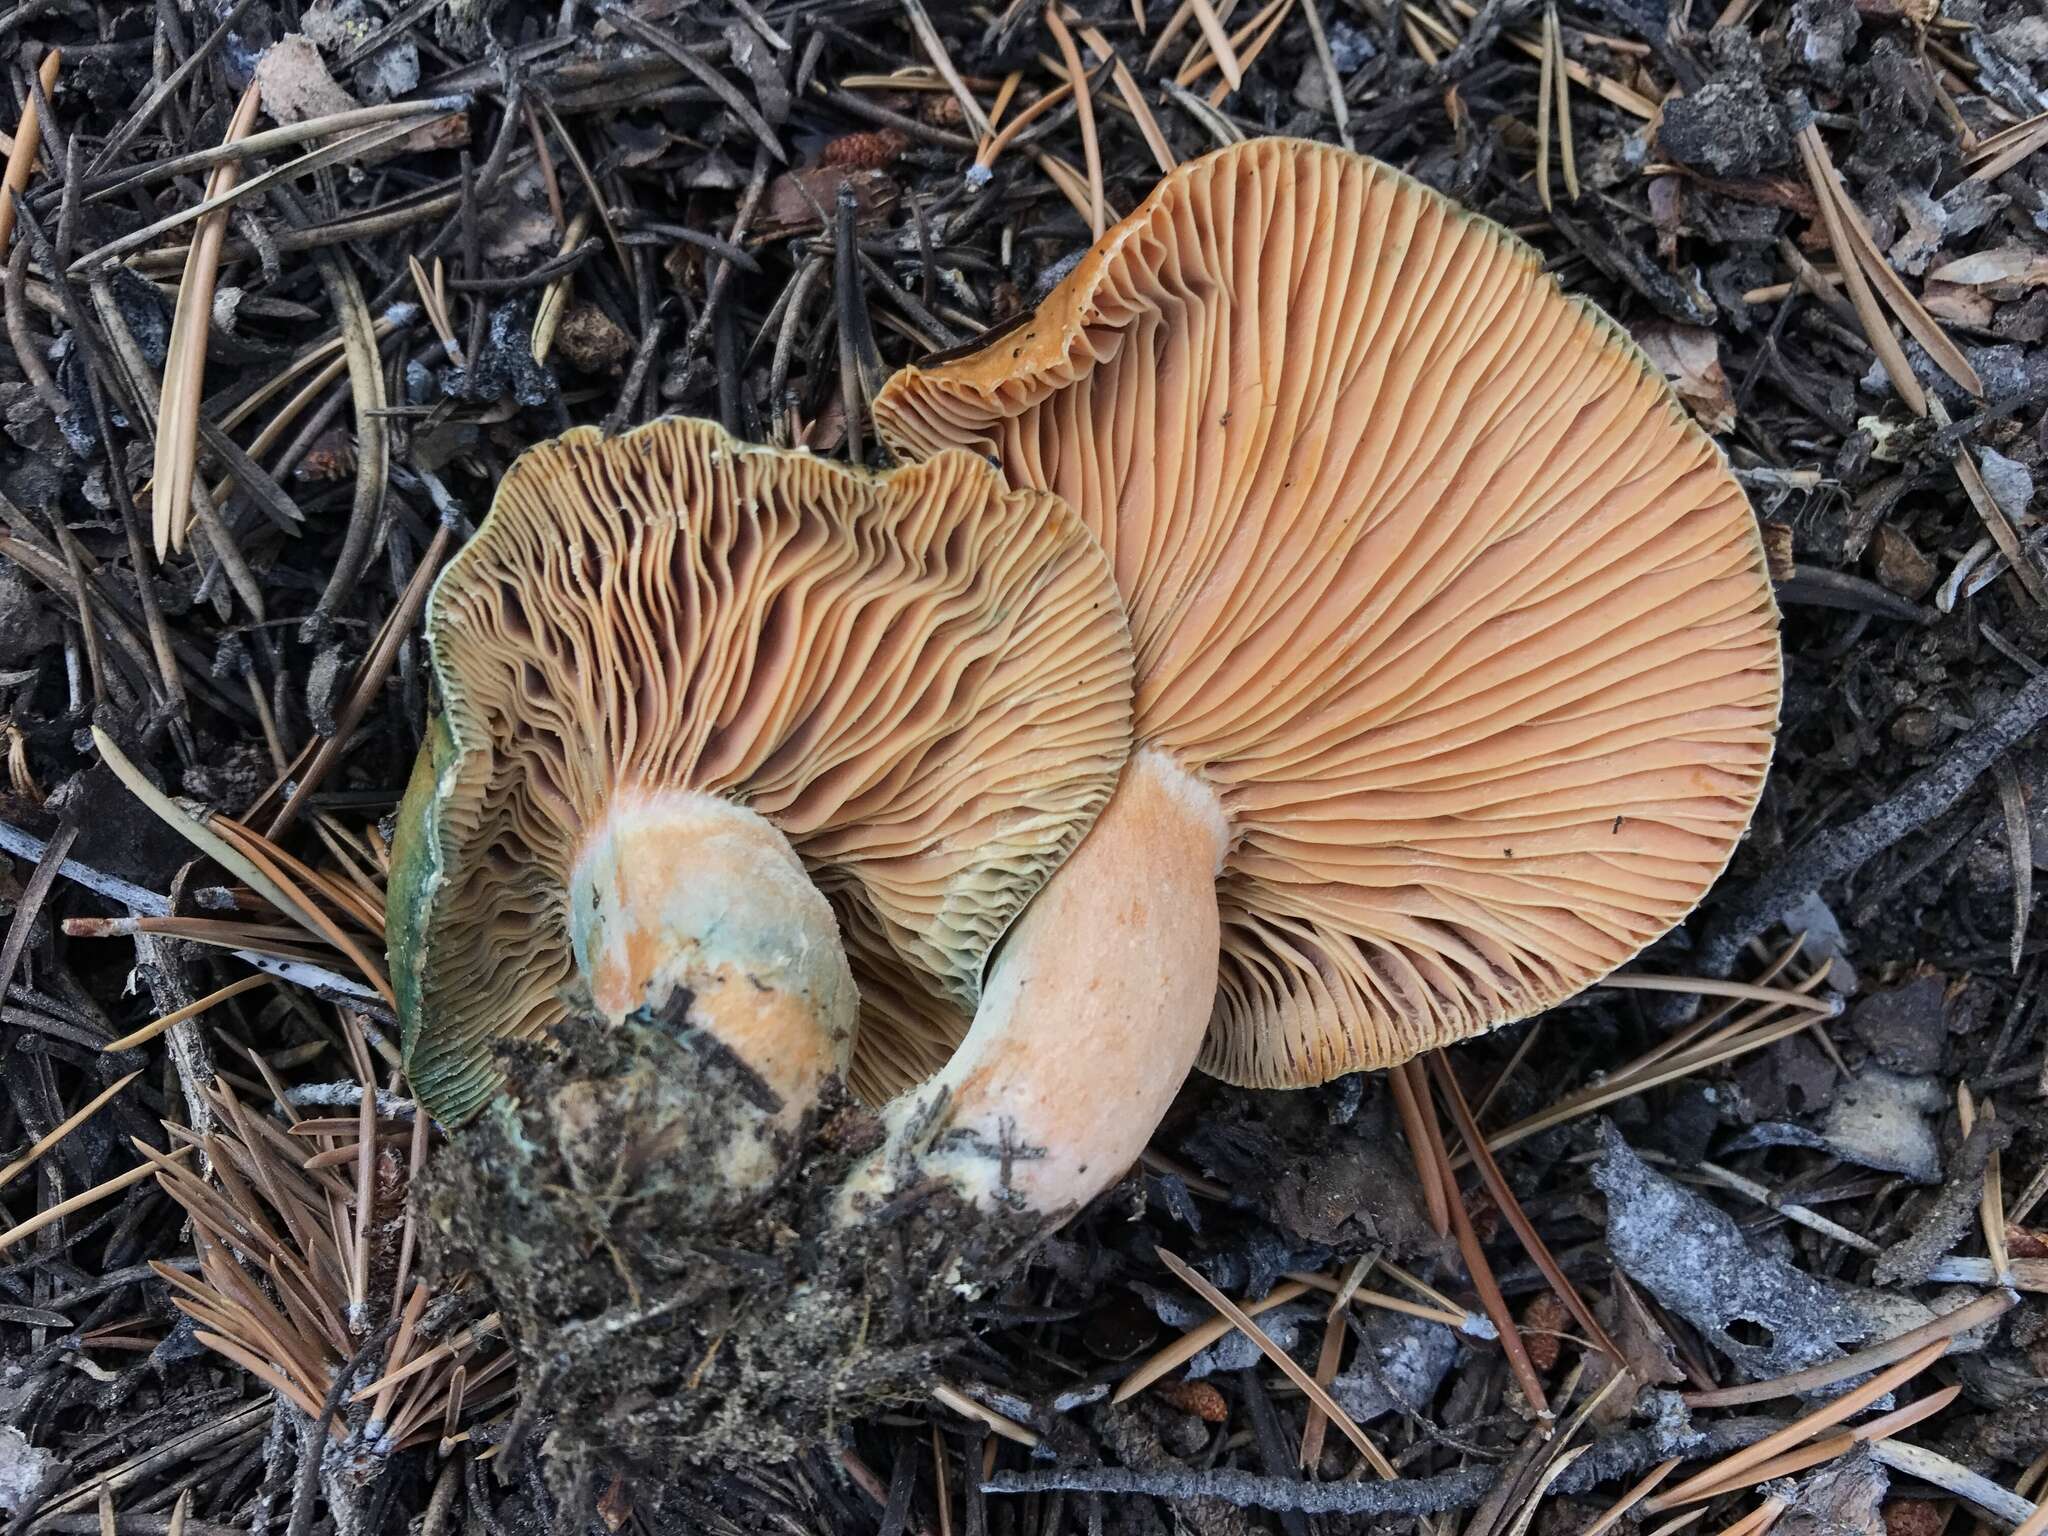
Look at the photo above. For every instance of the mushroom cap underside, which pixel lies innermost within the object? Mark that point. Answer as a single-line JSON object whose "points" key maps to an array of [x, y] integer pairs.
{"points": [[1428, 573], [921, 679]]}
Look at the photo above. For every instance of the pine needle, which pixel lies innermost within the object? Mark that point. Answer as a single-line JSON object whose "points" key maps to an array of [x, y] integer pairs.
{"points": [[1626, 1084], [1316, 1394], [997, 142], [1613, 92], [1708, 986], [1408, 1103], [1820, 1451], [1642, 1489], [21, 159], [1997, 153], [1333, 84], [1199, 1338], [177, 423], [1546, 93], [1481, 1273], [1275, 16], [1991, 1198], [1084, 107], [1361, 1296], [1805, 1427], [1218, 40], [1561, 83], [1504, 1197], [150, 1031], [1855, 249], [70, 1123], [194, 832], [78, 1202], [967, 1407], [434, 300], [1133, 98], [942, 61]]}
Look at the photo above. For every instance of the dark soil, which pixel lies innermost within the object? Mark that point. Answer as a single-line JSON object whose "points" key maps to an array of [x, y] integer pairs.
{"points": [[703, 190], [661, 1321]]}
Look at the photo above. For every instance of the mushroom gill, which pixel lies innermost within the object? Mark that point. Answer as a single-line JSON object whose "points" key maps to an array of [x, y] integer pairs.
{"points": [[692, 689], [1438, 599]]}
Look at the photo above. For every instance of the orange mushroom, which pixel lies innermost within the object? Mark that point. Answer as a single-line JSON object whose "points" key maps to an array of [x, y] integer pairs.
{"points": [[690, 690], [1457, 661]]}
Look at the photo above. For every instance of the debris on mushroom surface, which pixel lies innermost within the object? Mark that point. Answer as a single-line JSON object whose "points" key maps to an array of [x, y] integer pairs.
{"points": [[1457, 662], [662, 1318], [690, 687]]}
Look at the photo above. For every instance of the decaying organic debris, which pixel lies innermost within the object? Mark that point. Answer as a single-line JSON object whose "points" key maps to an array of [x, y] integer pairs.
{"points": [[660, 1315]]}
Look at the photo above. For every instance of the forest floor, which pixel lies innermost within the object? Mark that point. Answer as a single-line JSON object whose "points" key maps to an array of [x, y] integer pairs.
{"points": [[1709, 1223]]}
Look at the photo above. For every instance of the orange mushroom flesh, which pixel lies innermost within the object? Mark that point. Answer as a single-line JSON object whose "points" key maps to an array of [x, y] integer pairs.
{"points": [[697, 695], [1457, 662]]}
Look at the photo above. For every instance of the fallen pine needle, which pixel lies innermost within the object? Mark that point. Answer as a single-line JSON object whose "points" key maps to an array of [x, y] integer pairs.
{"points": [[1199, 1338], [1835, 1445], [1814, 1377], [1998, 153], [1463, 1322], [1758, 1520], [177, 423], [469, 1337], [1991, 1198], [1478, 1271], [79, 1201], [1807, 1426], [1293, 1372], [1546, 93], [21, 159], [1134, 99], [1424, 1289], [935, 49], [150, 1031], [1855, 249], [1084, 109], [1218, 40], [967, 1407], [1626, 1085], [1708, 986], [1504, 1199], [1408, 1103], [1272, 18], [1644, 1487], [72, 1122], [1567, 160]]}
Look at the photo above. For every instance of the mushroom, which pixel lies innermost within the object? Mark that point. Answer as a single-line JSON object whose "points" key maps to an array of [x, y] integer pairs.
{"points": [[692, 689], [1457, 661]]}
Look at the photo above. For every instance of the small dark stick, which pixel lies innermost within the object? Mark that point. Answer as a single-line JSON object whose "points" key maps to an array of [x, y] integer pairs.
{"points": [[1403, 1496], [304, 1494]]}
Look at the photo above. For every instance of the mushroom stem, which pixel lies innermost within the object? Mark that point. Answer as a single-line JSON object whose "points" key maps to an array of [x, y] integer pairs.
{"points": [[1092, 1016], [696, 909]]}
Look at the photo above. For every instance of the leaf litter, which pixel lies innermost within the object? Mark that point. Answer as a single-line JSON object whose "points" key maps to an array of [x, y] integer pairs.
{"points": [[599, 215]]}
